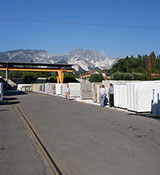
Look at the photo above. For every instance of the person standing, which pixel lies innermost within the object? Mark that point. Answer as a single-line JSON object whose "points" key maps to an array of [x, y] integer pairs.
{"points": [[67, 92], [102, 92], [111, 95]]}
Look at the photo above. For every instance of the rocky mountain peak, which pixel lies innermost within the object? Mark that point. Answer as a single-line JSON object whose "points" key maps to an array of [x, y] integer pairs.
{"points": [[86, 59], [76, 51]]}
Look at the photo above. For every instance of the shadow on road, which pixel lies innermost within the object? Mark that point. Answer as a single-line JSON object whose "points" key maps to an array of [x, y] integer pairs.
{"points": [[9, 102], [14, 93], [3, 110], [147, 115], [9, 99]]}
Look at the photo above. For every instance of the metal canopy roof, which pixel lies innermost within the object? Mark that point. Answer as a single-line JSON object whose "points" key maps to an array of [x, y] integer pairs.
{"points": [[12, 64]]}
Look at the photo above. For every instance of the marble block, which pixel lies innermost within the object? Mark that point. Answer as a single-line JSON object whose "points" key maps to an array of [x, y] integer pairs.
{"points": [[141, 96], [63, 89], [94, 91], [123, 96], [35, 87], [86, 90], [43, 87], [146, 95], [49, 88], [120, 96], [155, 108], [54, 88], [58, 89], [98, 95], [107, 83], [75, 89], [24, 87], [116, 93]]}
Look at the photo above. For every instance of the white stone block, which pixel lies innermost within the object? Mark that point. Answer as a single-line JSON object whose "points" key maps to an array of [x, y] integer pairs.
{"points": [[120, 96], [156, 102], [124, 96], [24, 87], [144, 95], [86, 90], [35, 87], [116, 96], [58, 89], [107, 83], [49, 88], [98, 95], [63, 89], [75, 89]]}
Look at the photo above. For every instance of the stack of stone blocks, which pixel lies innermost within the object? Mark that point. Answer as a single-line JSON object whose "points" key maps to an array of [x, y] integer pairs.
{"points": [[138, 96]]}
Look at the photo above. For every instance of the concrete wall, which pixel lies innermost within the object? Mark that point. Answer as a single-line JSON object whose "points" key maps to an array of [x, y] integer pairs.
{"points": [[86, 90]]}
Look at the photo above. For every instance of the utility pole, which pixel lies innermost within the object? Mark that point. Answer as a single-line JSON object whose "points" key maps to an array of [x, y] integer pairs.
{"points": [[149, 69], [106, 74]]}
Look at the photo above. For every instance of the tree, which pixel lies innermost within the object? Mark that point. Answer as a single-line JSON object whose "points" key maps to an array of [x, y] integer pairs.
{"points": [[138, 65], [128, 76], [29, 77], [96, 77], [117, 76]]}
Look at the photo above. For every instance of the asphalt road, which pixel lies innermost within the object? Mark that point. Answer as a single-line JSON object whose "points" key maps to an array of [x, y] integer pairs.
{"points": [[19, 153], [89, 140]]}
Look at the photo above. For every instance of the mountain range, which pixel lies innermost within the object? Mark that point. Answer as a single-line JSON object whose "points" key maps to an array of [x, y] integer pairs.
{"points": [[81, 59]]}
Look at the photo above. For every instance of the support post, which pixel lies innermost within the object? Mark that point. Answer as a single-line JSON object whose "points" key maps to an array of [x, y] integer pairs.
{"points": [[7, 74], [57, 77], [61, 75], [149, 77]]}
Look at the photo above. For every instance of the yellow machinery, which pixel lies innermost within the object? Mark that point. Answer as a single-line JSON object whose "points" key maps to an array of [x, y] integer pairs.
{"points": [[41, 67]]}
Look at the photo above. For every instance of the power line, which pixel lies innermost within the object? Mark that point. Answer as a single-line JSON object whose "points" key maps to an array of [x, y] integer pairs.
{"points": [[78, 23], [131, 3]]}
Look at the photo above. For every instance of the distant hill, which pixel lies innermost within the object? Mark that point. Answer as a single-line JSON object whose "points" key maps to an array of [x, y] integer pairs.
{"points": [[80, 58]]}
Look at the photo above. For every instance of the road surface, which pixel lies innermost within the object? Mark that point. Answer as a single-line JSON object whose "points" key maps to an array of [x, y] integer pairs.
{"points": [[86, 139]]}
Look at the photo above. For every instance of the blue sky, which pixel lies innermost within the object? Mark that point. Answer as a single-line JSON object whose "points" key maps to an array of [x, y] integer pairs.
{"points": [[62, 38]]}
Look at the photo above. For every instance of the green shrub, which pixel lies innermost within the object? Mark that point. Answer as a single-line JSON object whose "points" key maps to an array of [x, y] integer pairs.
{"points": [[155, 78], [29, 77], [117, 76], [96, 78], [137, 76], [128, 76], [51, 79]]}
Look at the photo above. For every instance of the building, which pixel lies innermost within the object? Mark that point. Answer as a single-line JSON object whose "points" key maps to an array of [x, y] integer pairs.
{"points": [[88, 74]]}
